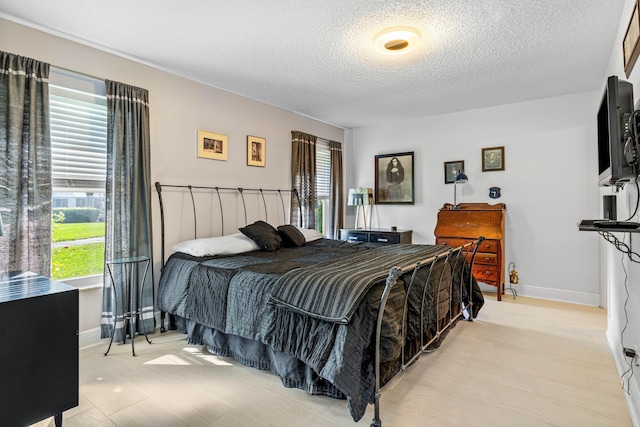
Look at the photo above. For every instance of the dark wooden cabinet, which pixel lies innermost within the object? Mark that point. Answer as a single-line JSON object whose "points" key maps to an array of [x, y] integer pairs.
{"points": [[38, 348], [376, 235], [468, 222]]}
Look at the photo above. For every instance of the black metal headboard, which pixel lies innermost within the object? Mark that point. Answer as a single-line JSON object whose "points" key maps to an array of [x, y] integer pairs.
{"points": [[216, 193]]}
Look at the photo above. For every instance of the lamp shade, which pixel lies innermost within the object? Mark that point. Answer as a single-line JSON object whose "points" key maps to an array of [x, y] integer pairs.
{"points": [[461, 178], [360, 196]]}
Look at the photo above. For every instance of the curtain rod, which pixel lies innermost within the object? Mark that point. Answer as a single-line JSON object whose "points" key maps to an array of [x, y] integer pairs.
{"points": [[316, 137], [78, 72]]}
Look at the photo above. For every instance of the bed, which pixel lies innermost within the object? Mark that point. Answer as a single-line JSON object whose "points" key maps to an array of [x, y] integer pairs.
{"points": [[330, 317]]}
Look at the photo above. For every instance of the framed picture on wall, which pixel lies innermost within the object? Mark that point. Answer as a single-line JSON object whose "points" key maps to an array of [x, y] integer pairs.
{"points": [[256, 151], [492, 159], [394, 179], [451, 170], [631, 42], [212, 145]]}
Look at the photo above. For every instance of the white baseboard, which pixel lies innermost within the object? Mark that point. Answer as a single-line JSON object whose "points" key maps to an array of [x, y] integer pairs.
{"points": [[633, 398], [91, 337], [548, 293]]}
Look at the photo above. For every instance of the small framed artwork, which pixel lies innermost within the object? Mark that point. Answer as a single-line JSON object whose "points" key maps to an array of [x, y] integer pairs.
{"points": [[493, 159], [630, 45], [451, 170], [256, 151], [394, 179], [212, 145]]}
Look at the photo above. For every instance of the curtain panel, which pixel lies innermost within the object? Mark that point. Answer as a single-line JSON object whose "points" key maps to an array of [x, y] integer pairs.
{"points": [[303, 176], [336, 195], [25, 165], [128, 206]]}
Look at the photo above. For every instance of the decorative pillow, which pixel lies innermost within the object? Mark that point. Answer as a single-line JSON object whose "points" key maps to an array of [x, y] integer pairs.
{"points": [[310, 234], [264, 235], [223, 245], [291, 236]]}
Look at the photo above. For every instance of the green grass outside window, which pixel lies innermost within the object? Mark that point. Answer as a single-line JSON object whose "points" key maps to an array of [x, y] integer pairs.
{"points": [[77, 260]]}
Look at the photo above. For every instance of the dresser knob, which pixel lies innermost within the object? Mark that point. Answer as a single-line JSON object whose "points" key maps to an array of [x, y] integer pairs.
{"points": [[487, 259]]}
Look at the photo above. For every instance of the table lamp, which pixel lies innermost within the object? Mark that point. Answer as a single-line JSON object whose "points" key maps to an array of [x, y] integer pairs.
{"points": [[360, 197], [461, 178]]}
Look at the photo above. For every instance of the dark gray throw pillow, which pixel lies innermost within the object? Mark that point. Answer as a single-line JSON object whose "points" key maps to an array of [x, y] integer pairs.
{"points": [[264, 235], [291, 236]]}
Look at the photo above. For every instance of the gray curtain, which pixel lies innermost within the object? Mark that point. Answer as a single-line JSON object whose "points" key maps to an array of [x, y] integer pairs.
{"points": [[303, 175], [25, 165], [128, 200], [336, 195]]}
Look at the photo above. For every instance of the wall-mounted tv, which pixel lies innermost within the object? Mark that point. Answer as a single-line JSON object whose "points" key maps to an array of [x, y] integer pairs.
{"points": [[613, 122]]}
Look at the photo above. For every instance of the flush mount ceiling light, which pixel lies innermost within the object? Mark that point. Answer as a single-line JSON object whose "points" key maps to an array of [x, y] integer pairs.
{"points": [[397, 40]]}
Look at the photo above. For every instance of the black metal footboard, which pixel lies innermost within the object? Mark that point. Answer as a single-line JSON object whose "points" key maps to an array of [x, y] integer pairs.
{"points": [[453, 258]]}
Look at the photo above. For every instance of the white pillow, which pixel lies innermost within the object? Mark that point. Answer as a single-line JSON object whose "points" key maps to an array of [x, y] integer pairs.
{"points": [[223, 245], [310, 234]]}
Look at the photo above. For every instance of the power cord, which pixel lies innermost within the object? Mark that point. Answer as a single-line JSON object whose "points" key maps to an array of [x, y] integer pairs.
{"points": [[635, 211], [624, 248]]}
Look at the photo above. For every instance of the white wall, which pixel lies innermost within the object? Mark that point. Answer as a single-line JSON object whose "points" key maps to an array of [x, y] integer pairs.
{"points": [[178, 108], [549, 184], [621, 277]]}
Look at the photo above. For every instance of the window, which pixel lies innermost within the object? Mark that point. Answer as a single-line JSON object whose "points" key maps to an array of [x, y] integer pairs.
{"points": [[323, 186], [78, 114]]}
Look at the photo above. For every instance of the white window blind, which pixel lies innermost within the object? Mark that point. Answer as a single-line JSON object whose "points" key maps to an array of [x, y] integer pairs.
{"points": [[78, 138], [323, 171]]}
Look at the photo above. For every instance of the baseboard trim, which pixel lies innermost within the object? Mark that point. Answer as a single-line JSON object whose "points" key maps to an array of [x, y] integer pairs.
{"points": [[91, 337], [633, 398], [562, 295]]}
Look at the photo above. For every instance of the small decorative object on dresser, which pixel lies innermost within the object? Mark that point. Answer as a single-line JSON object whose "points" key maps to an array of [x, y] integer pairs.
{"points": [[374, 235], [466, 223]]}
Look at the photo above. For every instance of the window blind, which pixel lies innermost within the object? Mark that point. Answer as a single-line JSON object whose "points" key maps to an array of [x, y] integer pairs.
{"points": [[323, 171], [78, 139]]}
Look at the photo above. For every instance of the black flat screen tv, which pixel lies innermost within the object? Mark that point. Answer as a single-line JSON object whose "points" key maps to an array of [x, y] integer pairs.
{"points": [[613, 121]]}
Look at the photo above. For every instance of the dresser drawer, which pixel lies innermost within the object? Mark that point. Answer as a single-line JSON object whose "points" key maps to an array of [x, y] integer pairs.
{"points": [[485, 246], [384, 237], [485, 258], [452, 241], [357, 236], [486, 273]]}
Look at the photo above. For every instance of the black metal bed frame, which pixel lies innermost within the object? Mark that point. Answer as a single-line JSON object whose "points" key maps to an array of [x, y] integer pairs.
{"points": [[467, 251]]}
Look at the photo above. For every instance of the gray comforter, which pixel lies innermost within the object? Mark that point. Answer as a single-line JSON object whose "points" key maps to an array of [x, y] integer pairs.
{"points": [[234, 297]]}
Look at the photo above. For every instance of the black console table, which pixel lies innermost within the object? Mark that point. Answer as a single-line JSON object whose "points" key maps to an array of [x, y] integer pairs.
{"points": [[38, 348], [375, 235], [610, 226]]}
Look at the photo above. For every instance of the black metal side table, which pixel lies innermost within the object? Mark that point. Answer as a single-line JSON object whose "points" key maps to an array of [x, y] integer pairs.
{"points": [[131, 309]]}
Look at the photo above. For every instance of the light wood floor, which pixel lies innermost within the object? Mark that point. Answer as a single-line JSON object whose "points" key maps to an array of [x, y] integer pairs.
{"points": [[523, 362]]}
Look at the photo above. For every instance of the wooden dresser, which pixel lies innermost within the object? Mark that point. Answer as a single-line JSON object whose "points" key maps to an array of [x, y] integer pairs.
{"points": [[468, 222]]}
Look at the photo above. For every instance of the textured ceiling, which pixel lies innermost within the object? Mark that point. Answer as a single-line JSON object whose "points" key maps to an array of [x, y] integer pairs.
{"points": [[317, 58]]}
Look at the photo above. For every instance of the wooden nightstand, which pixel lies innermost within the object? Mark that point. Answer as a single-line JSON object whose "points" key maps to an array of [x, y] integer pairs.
{"points": [[376, 235], [468, 222]]}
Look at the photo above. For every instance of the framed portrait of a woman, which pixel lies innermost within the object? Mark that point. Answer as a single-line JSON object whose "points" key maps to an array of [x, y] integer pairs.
{"points": [[394, 179]]}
